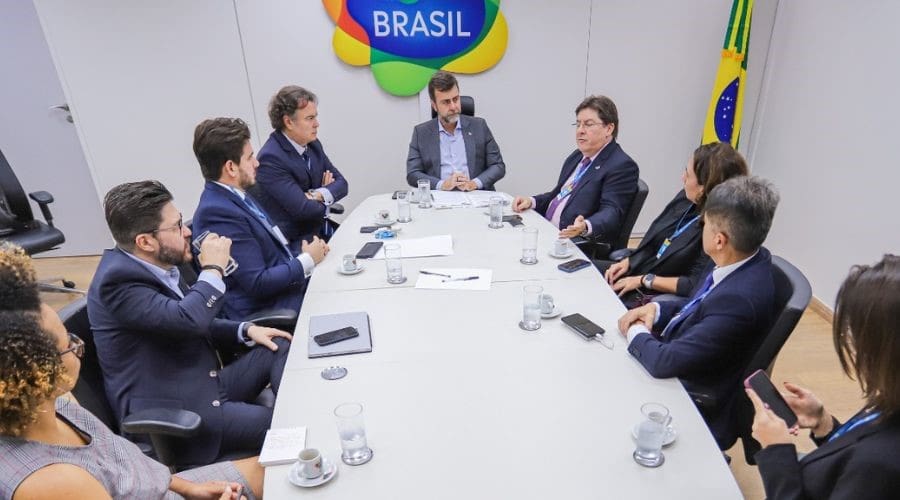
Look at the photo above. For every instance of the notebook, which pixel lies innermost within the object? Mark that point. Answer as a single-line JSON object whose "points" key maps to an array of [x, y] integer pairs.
{"points": [[282, 446], [329, 322]]}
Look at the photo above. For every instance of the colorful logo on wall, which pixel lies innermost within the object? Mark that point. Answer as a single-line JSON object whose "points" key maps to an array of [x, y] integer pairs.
{"points": [[407, 41]]}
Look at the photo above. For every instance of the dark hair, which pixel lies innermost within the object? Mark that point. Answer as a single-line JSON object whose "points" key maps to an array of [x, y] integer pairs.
{"points": [[714, 164], [30, 368], [134, 208], [866, 333], [605, 108], [742, 208], [18, 285], [286, 102], [441, 81], [218, 140]]}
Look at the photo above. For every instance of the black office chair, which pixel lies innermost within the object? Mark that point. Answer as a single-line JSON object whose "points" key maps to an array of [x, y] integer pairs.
{"points": [[18, 225], [792, 296], [466, 105], [600, 250]]}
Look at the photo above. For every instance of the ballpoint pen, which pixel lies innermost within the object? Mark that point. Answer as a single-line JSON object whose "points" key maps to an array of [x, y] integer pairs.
{"points": [[467, 278], [435, 274]]}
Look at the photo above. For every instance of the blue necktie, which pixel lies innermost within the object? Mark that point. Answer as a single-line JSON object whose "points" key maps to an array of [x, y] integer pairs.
{"points": [[256, 210], [690, 307], [305, 158]]}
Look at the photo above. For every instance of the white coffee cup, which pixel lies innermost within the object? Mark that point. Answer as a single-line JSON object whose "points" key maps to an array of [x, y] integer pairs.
{"points": [[384, 215], [561, 246], [310, 463], [547, 304], [349, 263]]}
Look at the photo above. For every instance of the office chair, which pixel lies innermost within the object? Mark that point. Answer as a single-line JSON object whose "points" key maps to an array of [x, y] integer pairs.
{"points": [[466, 105], [18, 225], [792, 296], [600, 250]]}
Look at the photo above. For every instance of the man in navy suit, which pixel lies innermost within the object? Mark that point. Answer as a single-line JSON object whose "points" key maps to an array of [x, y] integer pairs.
{"points": [[708, 341], [268, 274], [296, 182], [597, 182], [158, 338]]}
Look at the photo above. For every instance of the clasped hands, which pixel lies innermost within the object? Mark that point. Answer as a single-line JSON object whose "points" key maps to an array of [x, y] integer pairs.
{"points": [[458, 180], [622, 285], [312, 194]]}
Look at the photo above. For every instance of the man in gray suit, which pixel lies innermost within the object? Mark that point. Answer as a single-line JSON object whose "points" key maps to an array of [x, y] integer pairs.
{"points": [[453, 151]]}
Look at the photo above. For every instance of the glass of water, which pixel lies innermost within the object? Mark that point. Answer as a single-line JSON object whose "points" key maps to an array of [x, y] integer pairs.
{"points": [[650, 435], [393, 264], [424, 193], [531, 307], [529, 245], [232, 264], [496, 211], [352, 431], [403, 212]]}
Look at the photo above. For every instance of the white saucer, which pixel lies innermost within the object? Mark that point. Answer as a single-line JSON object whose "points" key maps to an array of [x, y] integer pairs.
{"points": [[552, 314], [385, 223], [359, 268], [671, 434], [330, 470], [562, 256]]}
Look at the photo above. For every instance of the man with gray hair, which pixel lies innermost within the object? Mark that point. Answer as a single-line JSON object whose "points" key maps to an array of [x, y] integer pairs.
{"points": [[708, 342]]}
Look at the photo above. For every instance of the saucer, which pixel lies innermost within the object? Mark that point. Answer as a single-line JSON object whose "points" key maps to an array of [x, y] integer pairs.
{"points": [[359, 268], [671, 434], [552, 314], [562, 255], [330, 470], [384, 223]]}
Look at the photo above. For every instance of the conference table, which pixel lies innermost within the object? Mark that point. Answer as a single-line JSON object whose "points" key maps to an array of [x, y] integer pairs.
{"points": [[459, 402]]}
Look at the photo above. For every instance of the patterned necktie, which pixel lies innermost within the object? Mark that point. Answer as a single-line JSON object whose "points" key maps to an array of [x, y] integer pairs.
{"points": [[690, 307], [554, 203], [256, 210]]}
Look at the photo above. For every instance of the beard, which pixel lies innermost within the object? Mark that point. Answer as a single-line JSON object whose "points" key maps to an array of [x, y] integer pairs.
{"points": [[245, 181], [175, 256], [450, 118]]}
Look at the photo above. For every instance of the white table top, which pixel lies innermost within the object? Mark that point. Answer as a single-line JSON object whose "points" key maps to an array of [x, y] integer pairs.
{"points": [[461, 403]]}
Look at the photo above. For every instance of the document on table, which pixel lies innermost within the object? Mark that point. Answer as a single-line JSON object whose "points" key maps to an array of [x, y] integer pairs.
{"points": [[429, 246], [282, 446], [460, 278], [466, 199]]}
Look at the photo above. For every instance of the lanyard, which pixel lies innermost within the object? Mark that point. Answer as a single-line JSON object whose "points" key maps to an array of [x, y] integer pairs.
{"points": [[678, 230], [853, 423], [571, 185]]}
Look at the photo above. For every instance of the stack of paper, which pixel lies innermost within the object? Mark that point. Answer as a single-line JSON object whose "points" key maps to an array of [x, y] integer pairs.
{"points": [[282, 446], [430, 246], [451, 199]]}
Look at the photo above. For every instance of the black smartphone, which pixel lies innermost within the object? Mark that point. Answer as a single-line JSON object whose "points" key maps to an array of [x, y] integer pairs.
{"points": [[369, 250], [514, 220], [585, 327], [368, 229], [336, 335], [574, 265], [763, 387]]}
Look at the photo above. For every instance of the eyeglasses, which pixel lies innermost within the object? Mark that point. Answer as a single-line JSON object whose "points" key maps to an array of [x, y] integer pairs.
{"points": [[587, 124], [178, 225], [76, 345]]}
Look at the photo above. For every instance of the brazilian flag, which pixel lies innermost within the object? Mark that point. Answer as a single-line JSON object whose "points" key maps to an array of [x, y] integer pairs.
{"points": [[723, 118]]}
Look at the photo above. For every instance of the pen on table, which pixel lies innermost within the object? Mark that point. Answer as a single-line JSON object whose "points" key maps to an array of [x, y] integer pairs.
{"points": [[435, 274], [467, 278]]}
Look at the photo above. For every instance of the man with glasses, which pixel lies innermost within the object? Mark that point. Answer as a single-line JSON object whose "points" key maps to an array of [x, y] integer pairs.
{"points": [[158, 339], [453, 151], [597, 182]]}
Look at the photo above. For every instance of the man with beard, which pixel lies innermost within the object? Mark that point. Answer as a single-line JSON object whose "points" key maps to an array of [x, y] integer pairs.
{"points": [[268, 274], [453, 151], [157, 337]]}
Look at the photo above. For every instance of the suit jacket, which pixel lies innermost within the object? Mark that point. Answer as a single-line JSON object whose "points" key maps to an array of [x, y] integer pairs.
{"points": [[156, 349], [603, 195], [266, 276], [482, 153], [684, 258], [862, 464], [282, 181], [710, 348]]}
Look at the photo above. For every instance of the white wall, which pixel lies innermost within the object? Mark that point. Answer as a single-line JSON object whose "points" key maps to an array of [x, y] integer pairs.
{"points": [[826, 136]]}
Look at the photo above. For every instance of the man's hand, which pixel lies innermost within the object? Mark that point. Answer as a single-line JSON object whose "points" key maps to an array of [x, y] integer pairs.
{"points": [[644, 314], [521, 204], [318, 249], [263, 335], [810, 411], [768, 428], [627, 284], [616, 270], [215, 251], [577, 227], [327, 178], [453, 182]]}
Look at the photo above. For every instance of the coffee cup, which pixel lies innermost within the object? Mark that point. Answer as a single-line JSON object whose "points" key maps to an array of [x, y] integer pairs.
{"points": [[561, 246], [384, 215], [547, 304], [349, 263], [309, 463]]}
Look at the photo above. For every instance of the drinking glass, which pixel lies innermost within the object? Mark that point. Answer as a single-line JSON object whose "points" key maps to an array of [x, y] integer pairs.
{"points": [[403, 212], [531, 307], [650, 435], [496, 210], [424, 193], [393, 264], [352, 431], [232, 264], [529, 245]]}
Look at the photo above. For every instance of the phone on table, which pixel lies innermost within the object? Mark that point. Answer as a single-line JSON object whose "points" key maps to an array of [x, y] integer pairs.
{"points": [[335, 336], [514, 220], [763, 387], [369, 250], [585, 327], [574, 265], [368, 229]]}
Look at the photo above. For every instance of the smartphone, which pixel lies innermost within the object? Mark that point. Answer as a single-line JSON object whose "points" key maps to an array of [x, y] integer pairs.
{"points": [[335, 336], [368, 229], [574, 265], [369, 250], [760, 383], [514, 220], [585, 327]]}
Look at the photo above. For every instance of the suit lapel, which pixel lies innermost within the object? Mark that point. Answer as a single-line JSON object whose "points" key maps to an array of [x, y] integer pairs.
{"points": [[593, 168], [836, 445], [678, 243], [297, 163], [434, 148], [469, 140], [233, 198]]}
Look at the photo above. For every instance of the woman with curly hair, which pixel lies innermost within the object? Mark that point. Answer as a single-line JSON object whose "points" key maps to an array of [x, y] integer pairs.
{"points": [[18, 285]]}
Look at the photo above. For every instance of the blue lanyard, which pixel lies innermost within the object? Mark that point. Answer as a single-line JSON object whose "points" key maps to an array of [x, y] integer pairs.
{"points": [[571, 185], [678, 230], [853, 423]]}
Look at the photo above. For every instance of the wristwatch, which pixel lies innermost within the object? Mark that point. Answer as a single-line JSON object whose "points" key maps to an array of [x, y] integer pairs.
{"points": [[647, 281]]}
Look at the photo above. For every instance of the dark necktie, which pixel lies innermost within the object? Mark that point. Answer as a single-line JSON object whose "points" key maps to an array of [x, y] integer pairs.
{"points": [[690, 307]]}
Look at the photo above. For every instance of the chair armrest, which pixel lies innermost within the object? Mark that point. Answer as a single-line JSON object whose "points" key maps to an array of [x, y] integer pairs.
{"points": [[162, 421], [620, 254], [336, 208], [283, 318], [595, 250], [43, 199], [704, 401]]}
